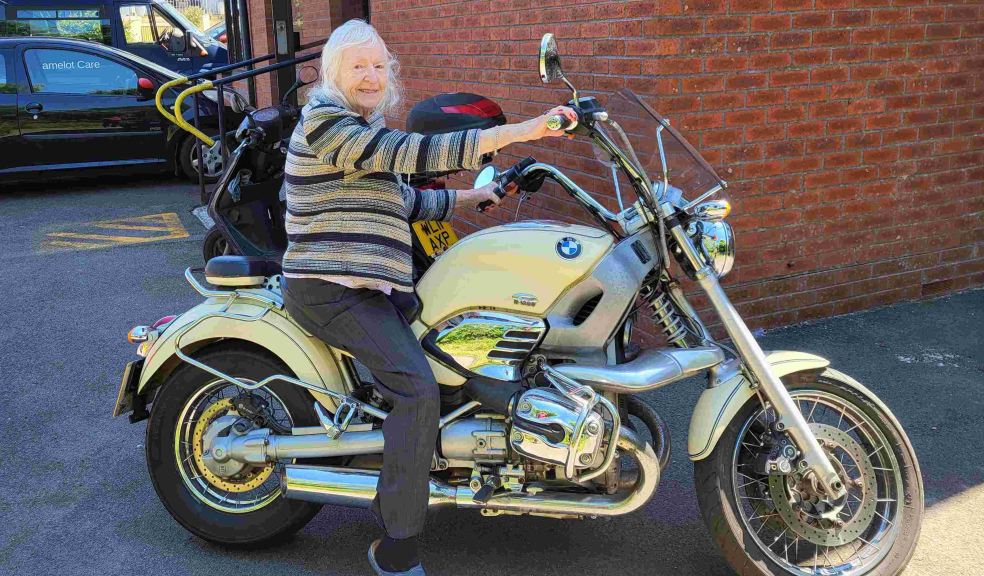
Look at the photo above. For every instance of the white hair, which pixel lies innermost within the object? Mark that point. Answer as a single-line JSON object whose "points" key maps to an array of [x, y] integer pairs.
{"points": [[355, 32]]}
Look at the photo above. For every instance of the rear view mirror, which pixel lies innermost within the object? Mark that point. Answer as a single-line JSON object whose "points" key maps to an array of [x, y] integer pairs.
{"points": [[549, 60], [146, 89], [487, 175], [176, 42], [307, 75], [550, 69]]}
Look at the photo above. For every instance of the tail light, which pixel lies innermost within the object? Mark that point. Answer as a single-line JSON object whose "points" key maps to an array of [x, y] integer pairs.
{"points": [[163, 322]]}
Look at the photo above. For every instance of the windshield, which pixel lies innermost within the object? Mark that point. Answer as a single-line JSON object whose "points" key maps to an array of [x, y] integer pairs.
{"points": [[645, 128], [181, 18]]}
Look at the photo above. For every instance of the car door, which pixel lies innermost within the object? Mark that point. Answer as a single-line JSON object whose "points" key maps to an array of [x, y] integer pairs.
{"points": [[82, 107], [146, 29], [10, 158]]}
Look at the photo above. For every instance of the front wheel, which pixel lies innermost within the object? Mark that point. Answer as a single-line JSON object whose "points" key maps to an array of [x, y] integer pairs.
{"points": [[246, 506], [769, 524]]}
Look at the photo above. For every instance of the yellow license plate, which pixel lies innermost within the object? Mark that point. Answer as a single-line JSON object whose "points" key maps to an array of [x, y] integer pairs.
{"points": [[435, 236]]}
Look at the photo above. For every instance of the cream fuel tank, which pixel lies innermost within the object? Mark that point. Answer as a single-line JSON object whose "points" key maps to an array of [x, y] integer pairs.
{"points": [[503, 291]]}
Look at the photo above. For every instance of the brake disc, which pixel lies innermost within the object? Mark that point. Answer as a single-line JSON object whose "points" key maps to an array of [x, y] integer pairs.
{"points": [[247, 479], [817, 521]]}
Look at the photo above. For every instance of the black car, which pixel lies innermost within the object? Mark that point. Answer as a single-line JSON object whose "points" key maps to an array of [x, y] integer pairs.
{"points": [[70, 105]]}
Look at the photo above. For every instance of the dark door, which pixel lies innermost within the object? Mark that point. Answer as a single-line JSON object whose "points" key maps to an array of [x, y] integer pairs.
{"points": [[9, 135], [82, 108], [147, 32]]}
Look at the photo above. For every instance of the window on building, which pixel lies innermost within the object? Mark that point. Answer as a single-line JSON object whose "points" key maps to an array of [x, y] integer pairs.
{"points": [[72, 72]]}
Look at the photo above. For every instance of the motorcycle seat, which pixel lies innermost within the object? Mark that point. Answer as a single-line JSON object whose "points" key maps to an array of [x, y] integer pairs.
{"points": [[240, 270]]}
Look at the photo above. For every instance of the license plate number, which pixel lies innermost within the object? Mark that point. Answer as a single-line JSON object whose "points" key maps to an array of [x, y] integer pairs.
{"points": [[435, 236]]}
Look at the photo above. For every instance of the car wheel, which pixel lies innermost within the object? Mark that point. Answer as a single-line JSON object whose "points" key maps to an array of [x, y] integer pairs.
{"points": [[188, 157]]}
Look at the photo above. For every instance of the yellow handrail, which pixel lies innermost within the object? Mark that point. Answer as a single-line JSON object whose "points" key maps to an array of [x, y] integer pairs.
{"points": [[177, 119], [160, 94]]}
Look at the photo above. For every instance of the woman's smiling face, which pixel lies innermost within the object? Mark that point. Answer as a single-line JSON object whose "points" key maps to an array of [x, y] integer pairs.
{"points": [[362, 75]]}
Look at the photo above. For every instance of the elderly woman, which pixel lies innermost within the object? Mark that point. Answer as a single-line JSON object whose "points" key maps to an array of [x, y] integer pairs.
{"points": [[349, 253]]}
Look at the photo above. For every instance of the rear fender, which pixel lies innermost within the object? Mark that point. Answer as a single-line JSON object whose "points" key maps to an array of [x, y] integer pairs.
{"points": [[718, 405], [307, 357]]}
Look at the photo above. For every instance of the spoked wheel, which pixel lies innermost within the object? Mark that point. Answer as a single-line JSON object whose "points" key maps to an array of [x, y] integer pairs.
{"points": [[237, 488], [782, 524], [224, 502]]}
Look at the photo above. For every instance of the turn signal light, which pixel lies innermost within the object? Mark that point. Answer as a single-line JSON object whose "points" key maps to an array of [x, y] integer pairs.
{"points": [[138, 334]]}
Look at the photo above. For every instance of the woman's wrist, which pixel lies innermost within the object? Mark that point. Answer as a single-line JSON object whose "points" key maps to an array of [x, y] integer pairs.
{"points": [[521, 131]]}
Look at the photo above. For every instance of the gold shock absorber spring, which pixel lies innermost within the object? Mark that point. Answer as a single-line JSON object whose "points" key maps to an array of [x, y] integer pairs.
{"points": [[665, 315]]}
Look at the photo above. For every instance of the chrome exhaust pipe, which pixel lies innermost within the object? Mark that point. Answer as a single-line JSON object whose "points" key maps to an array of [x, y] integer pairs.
{"points": [[357, 488]]}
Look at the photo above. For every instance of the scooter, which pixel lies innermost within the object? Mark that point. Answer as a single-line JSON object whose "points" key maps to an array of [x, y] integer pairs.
{"points": [[799, 469]]}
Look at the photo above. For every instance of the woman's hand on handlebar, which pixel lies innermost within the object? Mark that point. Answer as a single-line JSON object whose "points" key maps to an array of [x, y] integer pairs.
{"points": [[477, 196], [538, 126]]}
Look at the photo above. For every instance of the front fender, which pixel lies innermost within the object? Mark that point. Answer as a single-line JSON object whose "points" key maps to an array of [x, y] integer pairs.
{"points": [[718, 405], [306, 356]]}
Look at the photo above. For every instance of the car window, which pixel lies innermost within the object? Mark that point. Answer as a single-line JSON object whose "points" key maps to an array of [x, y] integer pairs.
{"points": [[136, 24], [70, 72], [6, 87], [165, 25]]}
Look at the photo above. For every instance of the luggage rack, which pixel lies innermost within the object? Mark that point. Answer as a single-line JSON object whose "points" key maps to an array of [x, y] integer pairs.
{"points": [[209, 79]]}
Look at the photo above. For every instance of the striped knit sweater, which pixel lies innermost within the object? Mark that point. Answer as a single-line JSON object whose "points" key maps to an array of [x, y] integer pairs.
{"points": [[348, 212]]}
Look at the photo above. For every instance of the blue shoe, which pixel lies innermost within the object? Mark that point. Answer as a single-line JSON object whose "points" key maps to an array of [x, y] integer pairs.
{"points": [[417, 570]]}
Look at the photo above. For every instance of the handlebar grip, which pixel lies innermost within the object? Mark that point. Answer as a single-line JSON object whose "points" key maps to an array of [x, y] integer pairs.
{"points": [[506, 178], [484, 205], [560, 122]]}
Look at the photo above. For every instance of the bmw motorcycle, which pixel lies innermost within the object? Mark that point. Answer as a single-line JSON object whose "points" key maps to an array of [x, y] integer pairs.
{"points": [[799, 469]]}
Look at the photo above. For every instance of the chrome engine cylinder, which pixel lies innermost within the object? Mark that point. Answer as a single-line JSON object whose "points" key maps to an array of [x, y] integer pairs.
{"points": [[481, 439]]}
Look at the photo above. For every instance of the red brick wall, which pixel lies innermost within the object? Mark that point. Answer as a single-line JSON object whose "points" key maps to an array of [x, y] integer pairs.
{"points": [[851, 131]]}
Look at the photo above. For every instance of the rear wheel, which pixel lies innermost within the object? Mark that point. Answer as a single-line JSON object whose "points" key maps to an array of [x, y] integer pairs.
{"points": [[245, 508], [774, 524]]}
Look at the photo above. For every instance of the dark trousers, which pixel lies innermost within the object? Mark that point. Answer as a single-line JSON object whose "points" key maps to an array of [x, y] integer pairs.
{"points": [[369, 326]]}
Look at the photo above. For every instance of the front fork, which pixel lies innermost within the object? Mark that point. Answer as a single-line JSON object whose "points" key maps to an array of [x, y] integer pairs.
{"points": [[787, 412]]}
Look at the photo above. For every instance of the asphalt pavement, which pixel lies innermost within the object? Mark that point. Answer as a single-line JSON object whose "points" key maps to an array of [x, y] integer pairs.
{"points": [[86, 261]]}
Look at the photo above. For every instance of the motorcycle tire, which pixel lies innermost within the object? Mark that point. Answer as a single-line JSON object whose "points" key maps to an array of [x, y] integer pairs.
{"points": [[717, 501], [272, 523], [216, 244]]}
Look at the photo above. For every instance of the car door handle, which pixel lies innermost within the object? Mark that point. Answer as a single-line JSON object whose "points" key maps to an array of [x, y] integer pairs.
{"points": [[34, 108]]}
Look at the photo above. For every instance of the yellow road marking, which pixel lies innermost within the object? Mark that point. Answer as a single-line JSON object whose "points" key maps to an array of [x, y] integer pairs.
{"points": [[131, 227], [156, 227]]}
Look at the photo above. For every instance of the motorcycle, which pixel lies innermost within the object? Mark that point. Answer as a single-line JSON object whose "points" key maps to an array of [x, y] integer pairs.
{"points": [[799, 469]]}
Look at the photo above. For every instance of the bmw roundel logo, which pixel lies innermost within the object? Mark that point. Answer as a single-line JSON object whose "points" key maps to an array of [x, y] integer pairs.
{"points": [[569, 248]]}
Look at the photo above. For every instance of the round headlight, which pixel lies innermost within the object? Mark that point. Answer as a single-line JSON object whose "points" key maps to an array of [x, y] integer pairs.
{"points": [[716, 241]]}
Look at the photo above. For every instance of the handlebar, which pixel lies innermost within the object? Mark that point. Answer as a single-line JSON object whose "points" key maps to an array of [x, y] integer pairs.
{"points": [[506, 178], [560, 122]]}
